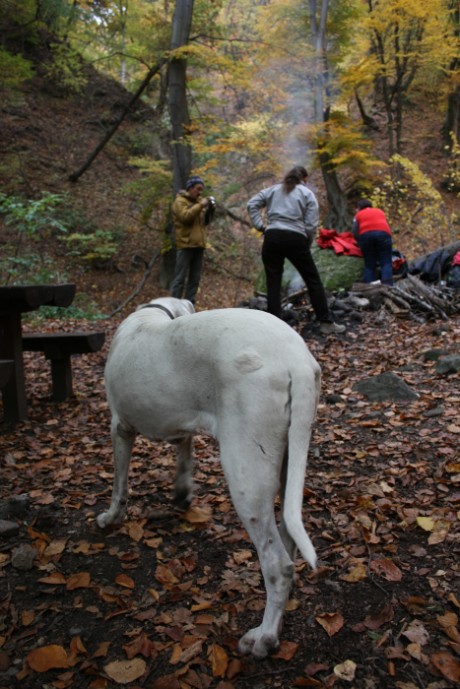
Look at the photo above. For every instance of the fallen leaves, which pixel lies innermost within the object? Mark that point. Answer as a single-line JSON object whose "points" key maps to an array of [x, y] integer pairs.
{"points": [[346, 671], [376, 619], [79, 580], [198, 515], [125, 581], [386, 568], [448, 623], [357, 572], [286, 650], [331, 622], [161, 600], [189, 648], [56, 578], [219, 660], [46, 658], [125, 671], [165, 576], [426, 523], [416, 633], [447, 665]]}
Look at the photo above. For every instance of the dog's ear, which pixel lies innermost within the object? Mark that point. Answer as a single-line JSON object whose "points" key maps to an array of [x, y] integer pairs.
{"points": [[189, 308]]}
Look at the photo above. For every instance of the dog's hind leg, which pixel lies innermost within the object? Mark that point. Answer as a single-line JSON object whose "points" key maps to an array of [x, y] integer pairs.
{"points": [[122, 441], [253, 477], [183, 485], [278, 571]]}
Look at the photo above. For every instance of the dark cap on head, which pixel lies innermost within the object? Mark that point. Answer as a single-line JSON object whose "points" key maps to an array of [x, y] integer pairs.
{"points": [[193, 181]]}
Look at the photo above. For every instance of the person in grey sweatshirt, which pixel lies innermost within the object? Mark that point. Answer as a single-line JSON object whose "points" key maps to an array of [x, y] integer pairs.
{"points": [[291, 222]]}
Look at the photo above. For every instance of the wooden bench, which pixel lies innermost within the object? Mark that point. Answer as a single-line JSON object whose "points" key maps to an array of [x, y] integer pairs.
{"points": [[6, 371], [58, 348]]}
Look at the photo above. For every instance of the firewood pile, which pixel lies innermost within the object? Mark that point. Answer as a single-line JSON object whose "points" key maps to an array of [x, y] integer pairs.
{"points": [[420, 299], [411, 298], [408, 298]]}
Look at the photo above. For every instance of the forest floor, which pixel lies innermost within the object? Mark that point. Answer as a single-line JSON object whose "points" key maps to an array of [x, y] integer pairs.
{"points": [[161, 601]]}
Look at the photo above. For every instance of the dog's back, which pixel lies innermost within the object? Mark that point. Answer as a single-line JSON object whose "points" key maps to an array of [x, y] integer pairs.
{"points": [[166, 377]]}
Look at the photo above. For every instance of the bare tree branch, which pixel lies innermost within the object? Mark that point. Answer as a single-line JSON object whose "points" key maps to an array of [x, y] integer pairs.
{"points": [[139, 287], [151, 73]]}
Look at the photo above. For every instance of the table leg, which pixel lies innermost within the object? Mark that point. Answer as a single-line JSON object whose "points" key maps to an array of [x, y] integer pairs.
{"points": [[14, 394]]}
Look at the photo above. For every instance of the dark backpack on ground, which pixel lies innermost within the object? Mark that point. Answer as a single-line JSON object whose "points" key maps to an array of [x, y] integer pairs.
{"points": [[400, 268]]}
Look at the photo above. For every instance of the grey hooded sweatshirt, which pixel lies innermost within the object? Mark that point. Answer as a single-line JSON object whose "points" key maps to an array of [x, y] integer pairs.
{"points": [[296, 211]]}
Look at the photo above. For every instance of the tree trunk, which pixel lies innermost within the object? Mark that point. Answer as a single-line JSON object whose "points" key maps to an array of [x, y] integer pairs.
{"points": [[451, 128], [178, 107], [367, 120], [180, 123], [337, 217]]}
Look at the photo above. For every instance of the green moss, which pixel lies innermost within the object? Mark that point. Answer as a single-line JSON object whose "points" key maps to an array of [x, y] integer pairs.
{"points": [[337, 272]]}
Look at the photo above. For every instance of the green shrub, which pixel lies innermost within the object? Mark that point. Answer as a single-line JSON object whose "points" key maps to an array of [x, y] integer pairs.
{"points": [[66, 69], [14, 69], [26, 256], [34, 222], [82, 307], [27, 269], [92, 248]]}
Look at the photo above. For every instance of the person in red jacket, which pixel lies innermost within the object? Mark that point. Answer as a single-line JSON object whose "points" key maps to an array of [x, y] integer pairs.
{"points": [[373, 234]]}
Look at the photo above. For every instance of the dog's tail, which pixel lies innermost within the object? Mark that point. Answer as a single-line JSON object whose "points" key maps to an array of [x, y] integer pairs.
{"points": [[304, 396]]}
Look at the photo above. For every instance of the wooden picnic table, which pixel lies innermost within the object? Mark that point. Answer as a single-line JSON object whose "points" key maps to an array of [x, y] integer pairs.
{"points": [[14, 301]]}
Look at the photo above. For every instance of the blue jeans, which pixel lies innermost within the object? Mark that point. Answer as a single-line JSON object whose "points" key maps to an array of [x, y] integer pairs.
{"points": [[281, 244], [189, 263], [376, 246]]}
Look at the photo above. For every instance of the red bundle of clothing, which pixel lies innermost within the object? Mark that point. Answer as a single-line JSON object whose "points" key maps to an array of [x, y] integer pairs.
{"points": [[341, 242]]}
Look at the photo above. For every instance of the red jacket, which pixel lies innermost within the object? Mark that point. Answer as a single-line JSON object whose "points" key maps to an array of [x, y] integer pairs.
{"points": [[369, 219]]}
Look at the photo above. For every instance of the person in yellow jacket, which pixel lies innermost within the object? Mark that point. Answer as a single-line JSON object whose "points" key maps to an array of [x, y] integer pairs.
{"points": [[191, 213]]}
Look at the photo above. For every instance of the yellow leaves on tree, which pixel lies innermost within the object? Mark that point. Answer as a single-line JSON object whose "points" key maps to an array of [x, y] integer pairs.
{"points": [[412, 193]]}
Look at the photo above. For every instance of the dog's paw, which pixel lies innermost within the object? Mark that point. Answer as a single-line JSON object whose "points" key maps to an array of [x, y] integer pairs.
{"points": [[106, 519], [182, 499], [102, 520], [258, 644], [114, 515]]}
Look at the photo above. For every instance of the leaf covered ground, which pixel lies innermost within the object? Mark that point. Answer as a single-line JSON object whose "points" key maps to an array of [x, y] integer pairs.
{"points": [[161, 601]]}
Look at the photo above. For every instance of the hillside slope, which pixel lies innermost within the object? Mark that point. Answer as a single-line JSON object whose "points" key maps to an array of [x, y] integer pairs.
{"points": [[46, 136]]}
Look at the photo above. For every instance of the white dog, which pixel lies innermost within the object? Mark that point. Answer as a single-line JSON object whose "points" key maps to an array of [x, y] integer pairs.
{"points": [[244, 377]]}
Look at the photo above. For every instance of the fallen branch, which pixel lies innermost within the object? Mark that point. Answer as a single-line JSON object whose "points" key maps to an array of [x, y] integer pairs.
{"points": [[412, 295], [414, 299], [396, 297], [392, 305], [428, 294]]}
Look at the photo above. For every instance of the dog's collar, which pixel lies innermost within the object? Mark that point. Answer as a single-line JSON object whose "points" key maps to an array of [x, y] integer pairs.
{"points": [[159, 306]]}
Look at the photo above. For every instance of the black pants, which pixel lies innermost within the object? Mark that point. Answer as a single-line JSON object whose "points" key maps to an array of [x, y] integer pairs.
{"points": [[279, 245]]}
